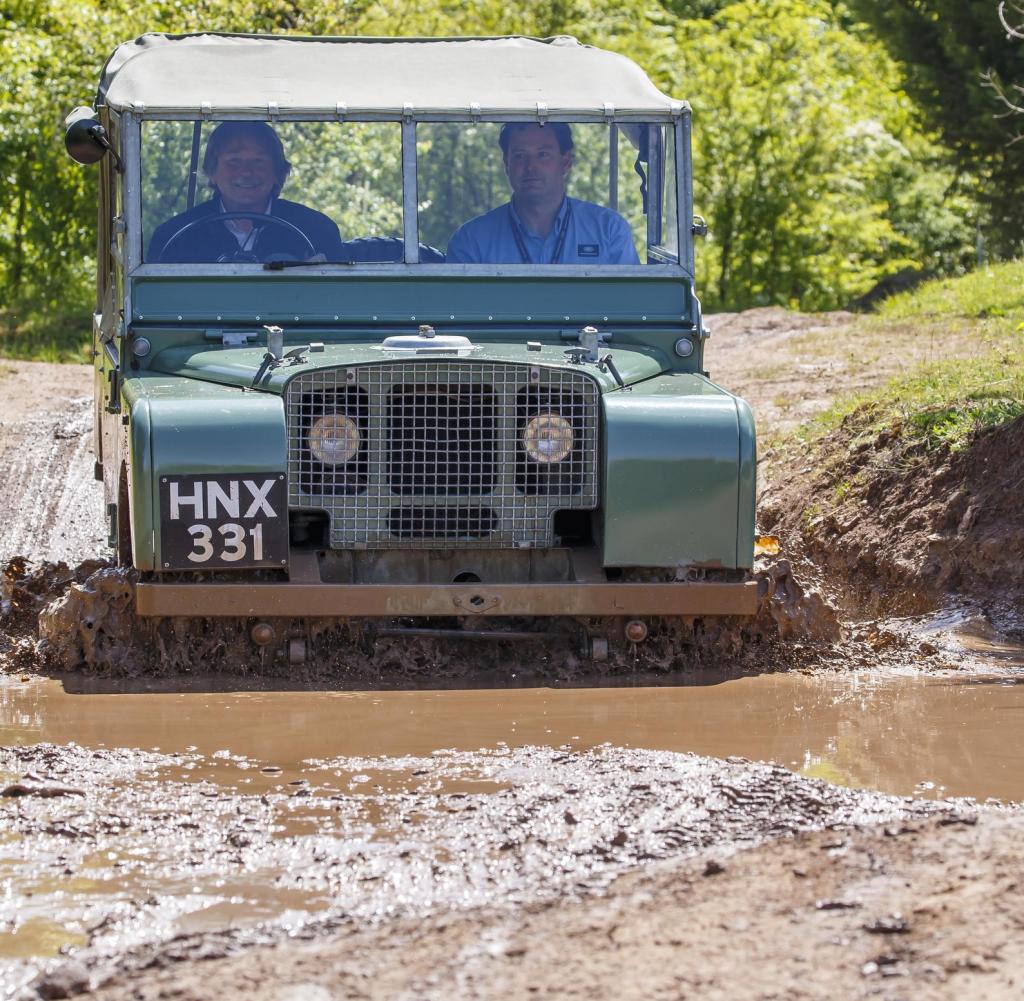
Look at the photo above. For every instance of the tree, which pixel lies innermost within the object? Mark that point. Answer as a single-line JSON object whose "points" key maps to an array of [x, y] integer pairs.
{"points": [[1011, 16], [810, 164], [949, 49]]}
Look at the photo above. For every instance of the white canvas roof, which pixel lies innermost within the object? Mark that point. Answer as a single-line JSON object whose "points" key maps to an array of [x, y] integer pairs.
{"points": [[261, 74]]}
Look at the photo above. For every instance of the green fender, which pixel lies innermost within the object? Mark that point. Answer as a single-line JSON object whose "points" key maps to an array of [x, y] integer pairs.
{"points": [[185, 426], [679, 476]]}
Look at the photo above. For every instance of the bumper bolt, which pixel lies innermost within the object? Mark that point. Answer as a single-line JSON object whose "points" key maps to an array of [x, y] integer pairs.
{"points": [[263, 634], [636, 631]]}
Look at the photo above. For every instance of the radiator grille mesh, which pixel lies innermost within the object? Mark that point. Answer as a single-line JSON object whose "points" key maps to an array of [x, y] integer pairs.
{"points": [[439, 459]]}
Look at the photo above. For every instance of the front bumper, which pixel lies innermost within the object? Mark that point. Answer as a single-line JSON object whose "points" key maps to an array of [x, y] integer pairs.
{"points": [[304, 601]]}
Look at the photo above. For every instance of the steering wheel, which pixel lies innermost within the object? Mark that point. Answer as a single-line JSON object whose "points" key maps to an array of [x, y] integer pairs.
{"points": [[253, 217]]}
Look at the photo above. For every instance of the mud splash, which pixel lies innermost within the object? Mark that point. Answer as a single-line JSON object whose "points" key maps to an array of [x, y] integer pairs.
{"points": [[85, 619]]}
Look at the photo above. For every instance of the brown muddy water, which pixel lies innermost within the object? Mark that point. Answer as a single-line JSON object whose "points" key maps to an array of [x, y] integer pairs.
{"points": [[200, 806], [932, 736]]}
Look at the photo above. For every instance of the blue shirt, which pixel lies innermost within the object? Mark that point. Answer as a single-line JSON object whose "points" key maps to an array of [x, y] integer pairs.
{"points": [[583, 233]]}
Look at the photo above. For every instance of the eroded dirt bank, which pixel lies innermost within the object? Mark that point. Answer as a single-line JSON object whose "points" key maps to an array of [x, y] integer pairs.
{"points": [[906, 528]]}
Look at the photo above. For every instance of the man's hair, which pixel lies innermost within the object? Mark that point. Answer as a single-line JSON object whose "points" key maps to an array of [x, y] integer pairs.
{"points": [[561, 130], [259, 132]]}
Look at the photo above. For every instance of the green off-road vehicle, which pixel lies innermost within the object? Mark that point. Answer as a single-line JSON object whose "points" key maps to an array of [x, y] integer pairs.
{"points": [[401, 336]]}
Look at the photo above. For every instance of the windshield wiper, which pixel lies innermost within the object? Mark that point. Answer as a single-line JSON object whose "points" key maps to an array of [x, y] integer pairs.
{"points": [[281, 265]]}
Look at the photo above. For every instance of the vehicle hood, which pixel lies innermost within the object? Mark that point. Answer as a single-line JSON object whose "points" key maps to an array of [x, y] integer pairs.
{"points": [[238, 366]]}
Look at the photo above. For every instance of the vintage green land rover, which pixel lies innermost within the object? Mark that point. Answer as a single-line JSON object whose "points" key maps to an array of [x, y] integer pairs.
{"points": [[405, 331]]}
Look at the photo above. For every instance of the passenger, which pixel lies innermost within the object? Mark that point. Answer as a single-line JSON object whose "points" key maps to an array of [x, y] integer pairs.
{"points": [[541, 224], [245, 165]]}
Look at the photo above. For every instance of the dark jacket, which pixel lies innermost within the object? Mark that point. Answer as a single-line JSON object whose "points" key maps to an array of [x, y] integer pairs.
{"points": [[213, 242]]}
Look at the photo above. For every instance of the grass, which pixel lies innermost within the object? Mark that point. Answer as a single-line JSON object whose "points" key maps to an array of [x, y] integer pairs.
{"points": [[944, 403], [995, 290], [50, 336]]}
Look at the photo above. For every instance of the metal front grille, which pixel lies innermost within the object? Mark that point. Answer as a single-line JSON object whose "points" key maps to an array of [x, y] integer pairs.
{"points": [[439, 459]]}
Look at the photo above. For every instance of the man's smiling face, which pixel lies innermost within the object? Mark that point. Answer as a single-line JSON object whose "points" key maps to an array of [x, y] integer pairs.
{"points": [[245, 176]]}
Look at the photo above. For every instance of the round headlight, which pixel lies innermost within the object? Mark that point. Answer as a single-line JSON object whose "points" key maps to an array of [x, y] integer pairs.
{"points": [[684, 347], [548, 438], [334, 439]]}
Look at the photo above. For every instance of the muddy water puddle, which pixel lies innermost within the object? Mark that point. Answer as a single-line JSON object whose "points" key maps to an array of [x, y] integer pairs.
{"points": [[198, 808], [945, 736]]}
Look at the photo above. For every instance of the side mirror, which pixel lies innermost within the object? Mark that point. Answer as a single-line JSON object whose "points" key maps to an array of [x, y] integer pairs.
{"points": [[84, 138]]}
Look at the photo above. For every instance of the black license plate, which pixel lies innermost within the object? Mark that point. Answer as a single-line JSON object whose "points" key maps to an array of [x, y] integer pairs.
{"points": [[223, 521]]}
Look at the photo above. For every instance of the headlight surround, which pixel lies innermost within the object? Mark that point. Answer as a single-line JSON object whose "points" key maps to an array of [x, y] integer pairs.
{"points": [[548, 438], [334, 439]]}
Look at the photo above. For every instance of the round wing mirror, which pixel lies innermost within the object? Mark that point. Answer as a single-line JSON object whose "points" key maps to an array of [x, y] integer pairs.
{"points": [[84, 138]]}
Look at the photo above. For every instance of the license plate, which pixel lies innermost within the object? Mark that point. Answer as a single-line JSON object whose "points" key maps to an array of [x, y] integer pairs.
{"points": [[223, 521]]}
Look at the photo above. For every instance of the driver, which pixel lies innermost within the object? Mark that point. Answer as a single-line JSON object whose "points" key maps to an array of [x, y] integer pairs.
{"points": [[245, 165]]}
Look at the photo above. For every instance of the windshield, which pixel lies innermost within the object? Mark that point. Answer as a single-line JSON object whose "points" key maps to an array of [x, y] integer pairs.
{"points": [[558, 193], [486, 193]]}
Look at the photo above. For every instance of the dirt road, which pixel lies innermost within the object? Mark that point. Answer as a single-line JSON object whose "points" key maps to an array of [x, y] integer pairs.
{"points": [[923, 910], [53, 505]]}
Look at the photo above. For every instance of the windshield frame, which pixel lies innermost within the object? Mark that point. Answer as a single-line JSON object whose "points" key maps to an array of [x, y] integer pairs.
{"points": [[679, 122]]}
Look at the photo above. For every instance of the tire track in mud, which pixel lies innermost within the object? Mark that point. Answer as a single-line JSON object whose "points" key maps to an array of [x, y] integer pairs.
{"points": [[52, 504], [362, 841]]}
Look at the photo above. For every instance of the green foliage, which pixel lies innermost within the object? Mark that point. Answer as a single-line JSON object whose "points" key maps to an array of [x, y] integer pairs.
{"points": [[56, 336], [953, 426], [941, 406], [810, 167], [947, 47]]}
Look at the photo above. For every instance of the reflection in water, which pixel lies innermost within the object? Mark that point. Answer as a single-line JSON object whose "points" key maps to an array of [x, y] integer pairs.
{"points": [[934, 736]]}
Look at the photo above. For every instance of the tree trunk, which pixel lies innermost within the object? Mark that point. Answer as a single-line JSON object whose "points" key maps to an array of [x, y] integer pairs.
{"points": [[17, 272]]}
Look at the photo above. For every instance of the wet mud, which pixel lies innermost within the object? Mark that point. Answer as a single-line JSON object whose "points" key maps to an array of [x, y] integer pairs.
{"points": [[924, 910], [162, 856], [53, 504]]}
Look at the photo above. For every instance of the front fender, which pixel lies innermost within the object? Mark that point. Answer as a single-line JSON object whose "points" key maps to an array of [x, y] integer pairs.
{"points": [[181, 426], [678, 476]]}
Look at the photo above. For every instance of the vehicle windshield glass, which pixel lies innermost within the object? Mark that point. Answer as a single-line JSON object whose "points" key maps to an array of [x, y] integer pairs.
{"points": [[559, 193], [291, 191], [487, 193]]}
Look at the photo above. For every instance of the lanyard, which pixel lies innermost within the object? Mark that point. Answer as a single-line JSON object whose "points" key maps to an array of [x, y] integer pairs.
{"points": [[563, 231]]}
